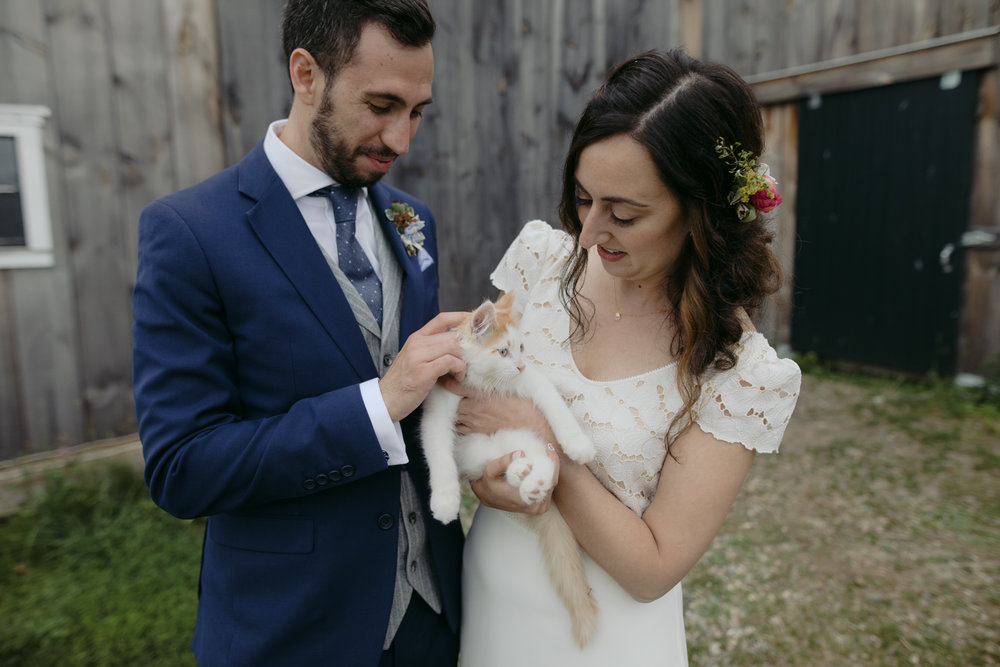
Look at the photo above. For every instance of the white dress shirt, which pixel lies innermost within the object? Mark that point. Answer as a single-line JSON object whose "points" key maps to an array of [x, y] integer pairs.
{"points": [[302, 178]]}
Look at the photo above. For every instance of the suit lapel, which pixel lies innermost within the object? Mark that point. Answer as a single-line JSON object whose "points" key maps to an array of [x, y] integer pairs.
{"points": [[278, 224], [411, 307]]}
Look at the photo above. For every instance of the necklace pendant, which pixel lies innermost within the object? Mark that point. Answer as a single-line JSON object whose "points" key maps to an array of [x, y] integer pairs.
{"points": [[618, 316]]}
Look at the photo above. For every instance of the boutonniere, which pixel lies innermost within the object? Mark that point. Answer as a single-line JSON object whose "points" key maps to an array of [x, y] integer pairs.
{"points": [[408, 225]]}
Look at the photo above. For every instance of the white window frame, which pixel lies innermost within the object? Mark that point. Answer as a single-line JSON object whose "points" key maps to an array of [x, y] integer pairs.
{"points": [[24, 123]]}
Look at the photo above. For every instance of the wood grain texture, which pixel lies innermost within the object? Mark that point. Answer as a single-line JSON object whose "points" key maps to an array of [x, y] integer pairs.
{"points": [[148, 97]]}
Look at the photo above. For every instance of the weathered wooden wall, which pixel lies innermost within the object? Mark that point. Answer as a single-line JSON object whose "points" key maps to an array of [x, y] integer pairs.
{"points": [[148, 97], [133, 88]]}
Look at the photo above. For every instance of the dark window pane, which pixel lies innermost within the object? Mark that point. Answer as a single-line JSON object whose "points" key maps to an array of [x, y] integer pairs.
{"points": [[11, 223], [11, 219]]}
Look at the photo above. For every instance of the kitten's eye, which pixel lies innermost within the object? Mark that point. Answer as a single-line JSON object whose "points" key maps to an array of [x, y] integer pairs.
{"points": [[522, 347], [504, 352]]}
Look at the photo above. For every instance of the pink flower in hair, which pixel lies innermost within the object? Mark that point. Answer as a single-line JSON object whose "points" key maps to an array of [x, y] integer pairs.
{"points": [[766, 199]]}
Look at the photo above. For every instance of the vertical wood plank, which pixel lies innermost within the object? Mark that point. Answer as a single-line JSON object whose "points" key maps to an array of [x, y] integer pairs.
{"points": [[689, 31], [979, 341], [141, 97], [839, 34], [89, 160], [195, 99], [806, 27], [255, 88], [636, 25], [781, 128], [771, 33], [740, 35], [12, 430]]}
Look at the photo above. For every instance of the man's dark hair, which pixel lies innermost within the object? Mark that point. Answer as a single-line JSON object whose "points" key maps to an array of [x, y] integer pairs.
{"points": [[331, 29]]}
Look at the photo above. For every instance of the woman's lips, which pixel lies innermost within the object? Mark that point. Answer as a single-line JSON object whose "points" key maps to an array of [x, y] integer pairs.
{"points": [[609, 255]]}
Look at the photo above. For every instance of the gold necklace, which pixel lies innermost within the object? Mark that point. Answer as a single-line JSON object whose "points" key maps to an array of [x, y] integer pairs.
{"points": [[619, 314]]}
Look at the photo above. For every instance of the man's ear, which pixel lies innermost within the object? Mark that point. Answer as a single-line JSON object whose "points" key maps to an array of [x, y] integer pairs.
{"points": [[306, 76]]}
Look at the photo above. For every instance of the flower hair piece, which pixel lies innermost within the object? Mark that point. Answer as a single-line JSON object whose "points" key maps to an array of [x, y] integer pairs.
{"points": [[754, 191]]}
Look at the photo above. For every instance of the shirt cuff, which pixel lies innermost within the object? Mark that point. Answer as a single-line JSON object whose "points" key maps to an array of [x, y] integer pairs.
{"points": [[388, 432]]}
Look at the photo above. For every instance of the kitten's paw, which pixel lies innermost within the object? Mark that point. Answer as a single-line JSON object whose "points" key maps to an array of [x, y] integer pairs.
{"points": [[517, 471], [580, 448], [445, 507], [535, 487]]}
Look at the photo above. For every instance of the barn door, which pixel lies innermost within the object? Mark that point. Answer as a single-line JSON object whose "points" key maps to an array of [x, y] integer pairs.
{"points": [[885, 177]]}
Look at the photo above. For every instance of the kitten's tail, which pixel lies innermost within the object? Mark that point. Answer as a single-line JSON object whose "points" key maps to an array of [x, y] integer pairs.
{"points": [[564, 562]]}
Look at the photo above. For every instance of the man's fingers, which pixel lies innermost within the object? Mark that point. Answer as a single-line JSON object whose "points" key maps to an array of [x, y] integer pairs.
{"points": [[421, 348], [443, 322], [445, 365], [453, 384]]}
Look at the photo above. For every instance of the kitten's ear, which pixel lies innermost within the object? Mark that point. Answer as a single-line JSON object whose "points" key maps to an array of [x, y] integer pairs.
{"points": [[506, 301], [506, 304], [483, 319]]}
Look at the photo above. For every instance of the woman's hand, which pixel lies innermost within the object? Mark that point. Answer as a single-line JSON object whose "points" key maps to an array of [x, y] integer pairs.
{"points": [[487, 415], [494, 491], [481, 414]]}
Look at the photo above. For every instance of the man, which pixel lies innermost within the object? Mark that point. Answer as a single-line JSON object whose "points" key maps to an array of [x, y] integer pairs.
{"points": [[269, 391]]}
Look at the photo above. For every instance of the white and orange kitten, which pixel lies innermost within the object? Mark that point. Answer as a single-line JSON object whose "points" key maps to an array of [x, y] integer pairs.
{"points": [[491, 346]]}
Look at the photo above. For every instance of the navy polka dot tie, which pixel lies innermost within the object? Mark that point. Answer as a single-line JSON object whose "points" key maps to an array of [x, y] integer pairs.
{"points": [[351, 258]]}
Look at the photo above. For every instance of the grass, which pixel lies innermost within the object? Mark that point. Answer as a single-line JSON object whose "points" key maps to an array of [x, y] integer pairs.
{"points": [[92, 573], [872, 539]]}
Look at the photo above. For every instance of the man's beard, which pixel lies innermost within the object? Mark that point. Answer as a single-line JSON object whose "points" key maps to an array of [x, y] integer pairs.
{"points": [[335, 157]]}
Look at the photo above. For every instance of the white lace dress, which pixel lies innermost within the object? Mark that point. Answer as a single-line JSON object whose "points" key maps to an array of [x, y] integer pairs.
{"points": [[511, 614]]}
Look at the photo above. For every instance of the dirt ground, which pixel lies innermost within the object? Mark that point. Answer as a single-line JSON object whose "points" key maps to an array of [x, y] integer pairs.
{"points": [[873, 538]]}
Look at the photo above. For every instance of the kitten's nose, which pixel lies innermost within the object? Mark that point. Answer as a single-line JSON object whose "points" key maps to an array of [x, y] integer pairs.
{"points": [[520, 365]]}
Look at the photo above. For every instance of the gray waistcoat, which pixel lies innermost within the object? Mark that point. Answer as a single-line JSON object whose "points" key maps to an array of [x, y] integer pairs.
{"points": [[413, 572]]}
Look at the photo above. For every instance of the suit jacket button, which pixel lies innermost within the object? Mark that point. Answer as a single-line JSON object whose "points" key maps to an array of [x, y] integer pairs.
{"points": [[385, 521], [387, 360], [322, 479], [309, 484], [334, 475], [347, 470]]}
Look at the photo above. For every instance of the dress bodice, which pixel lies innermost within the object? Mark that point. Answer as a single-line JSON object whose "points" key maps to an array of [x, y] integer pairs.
{"points": [[628, 418]]}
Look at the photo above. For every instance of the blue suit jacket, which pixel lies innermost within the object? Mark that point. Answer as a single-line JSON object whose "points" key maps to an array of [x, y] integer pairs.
{"points": [[247, 361]]}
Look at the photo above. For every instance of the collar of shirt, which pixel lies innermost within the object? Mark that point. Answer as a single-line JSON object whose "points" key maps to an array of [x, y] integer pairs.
{"points": [[300, 178]]}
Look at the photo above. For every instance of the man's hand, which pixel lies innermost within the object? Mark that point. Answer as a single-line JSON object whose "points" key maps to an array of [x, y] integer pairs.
{"points": [[429, 353]]}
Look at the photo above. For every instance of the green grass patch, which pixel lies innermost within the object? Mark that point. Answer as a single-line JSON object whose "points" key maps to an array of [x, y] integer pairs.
{"points": [[93, 573]]}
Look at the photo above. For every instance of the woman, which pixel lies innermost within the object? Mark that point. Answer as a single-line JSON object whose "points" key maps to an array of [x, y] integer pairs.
{"points": [[638, 312]]}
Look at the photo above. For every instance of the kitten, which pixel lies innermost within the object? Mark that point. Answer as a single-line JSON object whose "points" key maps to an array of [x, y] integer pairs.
{"points": [[492, 349]]}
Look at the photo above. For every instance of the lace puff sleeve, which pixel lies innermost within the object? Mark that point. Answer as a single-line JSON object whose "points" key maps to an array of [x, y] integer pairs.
{"points": [[537, 253], [751, 402]]}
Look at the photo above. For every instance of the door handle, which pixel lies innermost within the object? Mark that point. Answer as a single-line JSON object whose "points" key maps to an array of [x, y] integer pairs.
{"points": [[945, 257]]}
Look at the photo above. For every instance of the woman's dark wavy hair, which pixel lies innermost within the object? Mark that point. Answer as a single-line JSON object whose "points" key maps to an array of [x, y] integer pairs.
{"points": [[331, 29], [678, 108]]}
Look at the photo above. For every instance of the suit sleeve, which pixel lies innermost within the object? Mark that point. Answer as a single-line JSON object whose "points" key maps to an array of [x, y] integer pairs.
{"points": [[203, 454]]}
